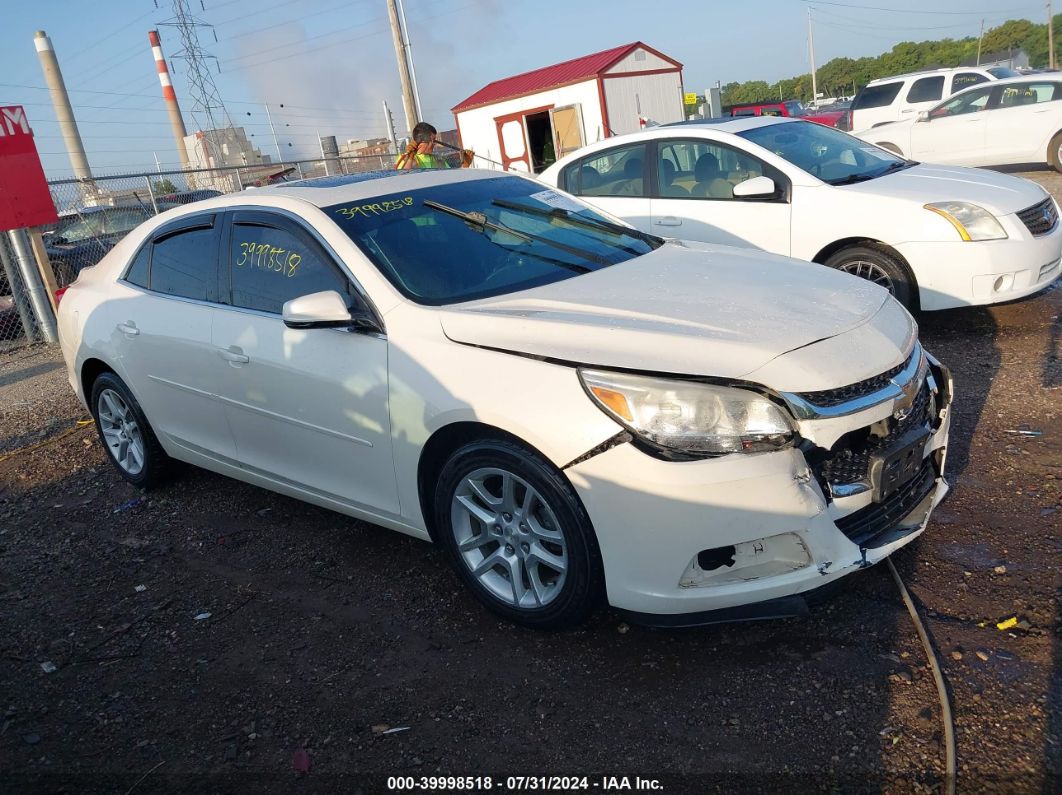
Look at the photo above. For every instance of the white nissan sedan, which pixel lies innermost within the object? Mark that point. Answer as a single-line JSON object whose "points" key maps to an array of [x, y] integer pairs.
{"points": [[576, 411], [936, 237]]}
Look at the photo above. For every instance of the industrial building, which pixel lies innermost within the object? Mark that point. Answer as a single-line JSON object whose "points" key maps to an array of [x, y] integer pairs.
{"points": [[527, 121]]}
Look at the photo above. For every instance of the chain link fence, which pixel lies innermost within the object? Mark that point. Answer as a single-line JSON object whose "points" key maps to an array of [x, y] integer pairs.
{"points": [[94, 215]]}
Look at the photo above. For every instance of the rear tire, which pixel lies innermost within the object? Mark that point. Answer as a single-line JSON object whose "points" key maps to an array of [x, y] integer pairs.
{"points": [[1054, 153], [518, 535], [880, 266], [126, 435]]}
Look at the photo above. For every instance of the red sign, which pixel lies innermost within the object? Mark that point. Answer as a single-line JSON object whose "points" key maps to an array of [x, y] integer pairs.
{"points": [[24, 196]]}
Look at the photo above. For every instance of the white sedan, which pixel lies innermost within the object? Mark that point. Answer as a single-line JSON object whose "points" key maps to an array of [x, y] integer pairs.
{"points": [[1008, 122], [936, 237], [574, 410]]}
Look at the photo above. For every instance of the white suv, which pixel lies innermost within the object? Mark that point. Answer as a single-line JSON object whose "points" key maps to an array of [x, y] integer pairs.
{"points": [[895, 98]]}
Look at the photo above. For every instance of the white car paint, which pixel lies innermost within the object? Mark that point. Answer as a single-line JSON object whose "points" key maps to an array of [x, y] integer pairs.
{"points": [[996, 127], [905, 104], [340, 419], [818, 217]]}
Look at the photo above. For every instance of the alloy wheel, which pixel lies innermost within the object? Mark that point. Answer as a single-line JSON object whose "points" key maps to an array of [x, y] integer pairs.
{"points": [[509, 537], [120, 430], [870, 271]]}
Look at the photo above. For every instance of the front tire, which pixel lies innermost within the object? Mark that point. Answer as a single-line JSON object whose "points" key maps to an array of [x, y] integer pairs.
{"points": [[126, 435], [1054, 153], [880, 266], [518, 535]]}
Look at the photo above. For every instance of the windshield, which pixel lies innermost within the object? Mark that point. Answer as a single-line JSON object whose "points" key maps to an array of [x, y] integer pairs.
{"points": [[831, 155], [484, 237]]}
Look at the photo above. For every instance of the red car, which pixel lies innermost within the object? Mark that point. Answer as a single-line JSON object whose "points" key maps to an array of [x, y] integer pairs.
{"points": [[792, 108]]}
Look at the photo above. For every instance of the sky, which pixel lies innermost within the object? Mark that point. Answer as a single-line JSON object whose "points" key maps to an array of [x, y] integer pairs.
{"points": [[331, 63]]}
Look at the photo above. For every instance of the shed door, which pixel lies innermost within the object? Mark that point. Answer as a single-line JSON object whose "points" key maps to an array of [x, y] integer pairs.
{"points": [[512, 136], [567, 129]]}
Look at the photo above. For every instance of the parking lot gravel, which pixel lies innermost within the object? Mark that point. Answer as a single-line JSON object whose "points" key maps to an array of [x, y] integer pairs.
{"points": [[213, 635]]}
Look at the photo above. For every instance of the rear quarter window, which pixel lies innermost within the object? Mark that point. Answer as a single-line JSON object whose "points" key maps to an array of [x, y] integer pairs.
{"points": [[877, 96], [138, 270]]}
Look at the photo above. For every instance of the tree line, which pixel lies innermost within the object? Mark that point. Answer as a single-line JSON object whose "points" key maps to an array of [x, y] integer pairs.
{"points": [[843, 76]]}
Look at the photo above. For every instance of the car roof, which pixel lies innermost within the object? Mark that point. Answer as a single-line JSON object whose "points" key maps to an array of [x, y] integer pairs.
{"points": [[929, 72], [730, 124], [327, 191]]}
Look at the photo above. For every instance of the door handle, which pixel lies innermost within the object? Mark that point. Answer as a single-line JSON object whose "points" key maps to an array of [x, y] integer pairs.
{"points": [[128, 328], [233, 355], [668, 220]]}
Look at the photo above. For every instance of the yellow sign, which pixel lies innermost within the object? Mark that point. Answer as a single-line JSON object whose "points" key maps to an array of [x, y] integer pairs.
{"points": [[689, 99]]}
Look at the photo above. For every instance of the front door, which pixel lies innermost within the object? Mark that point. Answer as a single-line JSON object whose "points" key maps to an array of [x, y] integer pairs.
{"points": [[694, 197], [306, 406], [954, 132]]}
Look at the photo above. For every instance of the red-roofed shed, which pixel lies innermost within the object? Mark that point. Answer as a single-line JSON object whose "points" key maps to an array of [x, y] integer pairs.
{"points": [[529, 120]]}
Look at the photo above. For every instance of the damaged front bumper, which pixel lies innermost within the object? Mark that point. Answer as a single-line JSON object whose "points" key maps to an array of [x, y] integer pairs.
{"points": [[749, 536]]}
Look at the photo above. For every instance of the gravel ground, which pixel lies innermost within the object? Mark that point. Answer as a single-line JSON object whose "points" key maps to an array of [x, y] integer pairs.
{"points": [[323, 631]]}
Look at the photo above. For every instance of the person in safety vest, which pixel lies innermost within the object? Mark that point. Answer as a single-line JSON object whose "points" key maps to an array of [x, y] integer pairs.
{"points": [[421, 151]]}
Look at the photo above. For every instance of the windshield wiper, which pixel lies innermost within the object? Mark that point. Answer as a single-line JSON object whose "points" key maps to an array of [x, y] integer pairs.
{"points": [[852, 178], [590, 223], [480, 222]]}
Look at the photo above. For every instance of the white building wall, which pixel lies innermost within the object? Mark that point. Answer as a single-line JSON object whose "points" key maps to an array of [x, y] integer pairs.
{"points": [[479, 131], [640, 60], [658, 96]]}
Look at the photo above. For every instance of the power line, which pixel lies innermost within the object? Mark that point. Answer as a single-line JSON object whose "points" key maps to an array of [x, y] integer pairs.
{"points": [[911, 10]]}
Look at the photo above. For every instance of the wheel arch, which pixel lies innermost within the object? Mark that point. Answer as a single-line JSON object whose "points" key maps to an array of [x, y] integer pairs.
{"points": [[90, 371], [839, 245], [438, 448], [890, 147]]}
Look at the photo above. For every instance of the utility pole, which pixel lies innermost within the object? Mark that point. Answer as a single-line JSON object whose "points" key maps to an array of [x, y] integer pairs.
{"points": [[276, 143], [980, 39], [409, 104], [409, 55], [1050, 36], [811, 51]]}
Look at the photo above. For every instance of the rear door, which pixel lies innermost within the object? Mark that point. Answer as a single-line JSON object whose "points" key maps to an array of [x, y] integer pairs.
{"points": [[616, 180], [163, 335], [922, 94], [693, 196], [1022, 118], [306, 406]]}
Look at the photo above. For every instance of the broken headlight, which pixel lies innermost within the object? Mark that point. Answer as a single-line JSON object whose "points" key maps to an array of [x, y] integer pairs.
{"points": [[690, 418]]}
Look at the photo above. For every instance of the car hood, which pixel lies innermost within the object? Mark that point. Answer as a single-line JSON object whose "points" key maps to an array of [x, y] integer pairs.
{"points": [[686, 308], [1001, 194]]}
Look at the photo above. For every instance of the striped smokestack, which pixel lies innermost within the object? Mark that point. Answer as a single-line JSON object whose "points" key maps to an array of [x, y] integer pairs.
{"points": [[176, 120]]}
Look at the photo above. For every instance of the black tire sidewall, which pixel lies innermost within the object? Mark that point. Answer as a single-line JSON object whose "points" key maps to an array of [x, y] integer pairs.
{"points": [[584, 584], [903, 282], [155, 459]]}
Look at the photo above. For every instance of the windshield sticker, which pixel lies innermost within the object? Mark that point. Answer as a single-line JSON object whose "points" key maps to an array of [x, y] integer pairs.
{"points": [[267, 257], [376, 208], [558, 200]]}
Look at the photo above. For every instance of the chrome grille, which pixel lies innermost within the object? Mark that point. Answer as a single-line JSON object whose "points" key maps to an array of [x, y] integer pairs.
{"points": [[827, 398], [849, 460], [1040, 218]]}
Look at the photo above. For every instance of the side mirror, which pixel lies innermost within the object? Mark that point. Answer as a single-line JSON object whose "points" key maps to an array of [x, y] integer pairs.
{"points": [[755, 188], [326, 309], [923, 115]]}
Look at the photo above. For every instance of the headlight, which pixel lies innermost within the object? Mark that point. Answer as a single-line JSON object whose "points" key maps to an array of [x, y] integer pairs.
{"points": [[690, 418], [970, 221]]}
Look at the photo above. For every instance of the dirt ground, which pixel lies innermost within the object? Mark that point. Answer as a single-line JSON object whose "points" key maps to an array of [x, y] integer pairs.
{"points": [[324, 632]]}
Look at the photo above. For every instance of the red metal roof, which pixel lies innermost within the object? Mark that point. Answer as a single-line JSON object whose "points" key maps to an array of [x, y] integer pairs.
{"points": [[573, 71]]}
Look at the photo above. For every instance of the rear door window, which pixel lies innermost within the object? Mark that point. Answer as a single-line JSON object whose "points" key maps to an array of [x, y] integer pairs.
{"points": [[926, 89], [877, 96], [184, 264], [614, 172], [965, 80]]}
